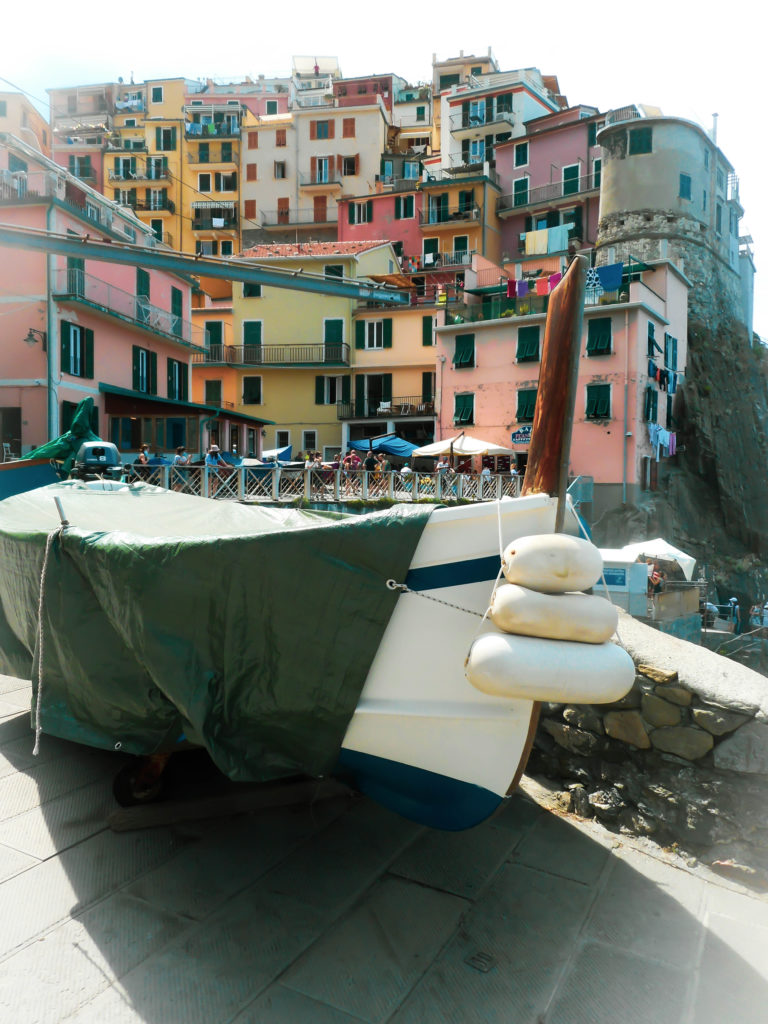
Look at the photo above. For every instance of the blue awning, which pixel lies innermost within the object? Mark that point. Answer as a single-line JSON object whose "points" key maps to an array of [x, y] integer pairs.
{"points": [[391, 444]]}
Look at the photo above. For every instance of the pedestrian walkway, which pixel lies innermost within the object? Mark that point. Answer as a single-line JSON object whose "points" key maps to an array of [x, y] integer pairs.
{"points": [[341, 912]]}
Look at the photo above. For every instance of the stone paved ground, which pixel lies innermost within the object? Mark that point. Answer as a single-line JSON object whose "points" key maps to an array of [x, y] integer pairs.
{"points": [[341, 912]]}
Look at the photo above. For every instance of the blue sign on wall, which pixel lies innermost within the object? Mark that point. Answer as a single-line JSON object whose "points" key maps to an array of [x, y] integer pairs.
{"points": [[615, 577], [522, 435]]}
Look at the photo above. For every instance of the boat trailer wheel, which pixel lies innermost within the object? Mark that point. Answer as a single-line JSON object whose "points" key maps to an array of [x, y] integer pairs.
{"points": [[141, 781]]}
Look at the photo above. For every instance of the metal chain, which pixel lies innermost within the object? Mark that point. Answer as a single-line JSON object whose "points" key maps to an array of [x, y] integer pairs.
{"points": [[403, 589]]}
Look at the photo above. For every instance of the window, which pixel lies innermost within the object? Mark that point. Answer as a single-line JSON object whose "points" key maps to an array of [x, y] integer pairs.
{"points": [[80, 166], [348, 128], [521, 154], [321, 129], [333, 270], [225, 182], [718, 218], [76, 350], [446, 81], [421, 113], [144, 370], [177, 380], [165, 139], [704, 201], [251, 291], [599, 336], [252, 394], [592, 134], [282, 438], [404, 207], [720, 180], [253, 140], [271, 106], [670, 352], [597, 172], [526, 404], [252, 340], [213, 332], [279, 169], [349, 166], [651, 405], [330, 390], [360, 213], [464, 353], [249, 209], [156, 199], [309, 440], [157, 229], [598, 401], [226, 247], [464, 409], [281, 137], [571, 180], [212, 392], [410, 170], [527, 344], [226, 152], [207, 247], [640, 141], [204, 182], [251, 171], [130, 122], [685, 186], [157, 94], [374, 334], [520, 191]]}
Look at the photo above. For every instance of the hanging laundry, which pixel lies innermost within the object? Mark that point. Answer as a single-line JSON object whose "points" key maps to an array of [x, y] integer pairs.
{"points": [[652, 369], [558, 239], [663, 380], [542, 286], [610, 276], [594, 288], [658, 373], [672, 443], [511, 288], [536, 242], [554, 280], [522, 289]]}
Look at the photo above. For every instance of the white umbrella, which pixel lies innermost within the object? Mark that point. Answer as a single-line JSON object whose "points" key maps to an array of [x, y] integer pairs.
{"points": [[463, 444], [659, 548]]}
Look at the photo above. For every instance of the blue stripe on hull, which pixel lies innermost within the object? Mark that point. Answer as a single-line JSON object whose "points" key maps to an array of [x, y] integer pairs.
{"points": [[417, 794], [454, 574]]}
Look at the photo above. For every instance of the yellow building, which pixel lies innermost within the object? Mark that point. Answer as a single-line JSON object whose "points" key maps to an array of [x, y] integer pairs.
{"points": [[291, 353], [20, 118]]}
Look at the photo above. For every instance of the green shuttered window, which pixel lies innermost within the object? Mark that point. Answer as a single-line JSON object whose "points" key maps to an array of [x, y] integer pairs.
{"points": [[426, 330], [598, 401], [526, 404], [464, 409], [599, 336], [527, 344], [464, 355]]}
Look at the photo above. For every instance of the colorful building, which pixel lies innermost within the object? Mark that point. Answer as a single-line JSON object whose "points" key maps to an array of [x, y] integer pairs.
{"points": [[632, 362], [21, 118]]}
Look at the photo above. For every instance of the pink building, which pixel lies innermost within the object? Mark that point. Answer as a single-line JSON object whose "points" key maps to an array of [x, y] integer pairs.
{"points": [[550, 180], [631, 366], [77, 327]]}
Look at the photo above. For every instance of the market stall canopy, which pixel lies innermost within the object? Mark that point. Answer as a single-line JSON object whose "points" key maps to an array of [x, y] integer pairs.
{"points": [[463, 444], [279, 454], [391, 444], [660, 548]]}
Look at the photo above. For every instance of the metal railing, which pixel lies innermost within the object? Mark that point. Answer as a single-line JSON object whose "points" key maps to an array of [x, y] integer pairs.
{"points": [[630, 113], [329, 177], [501, 307], [207, 223], [438, 215], [119, 145], [141, 173], [465, 119], [264, 483], [408, 405], [76, 285], [194, 130], [278, 218], [276, 355], [548, 193]]}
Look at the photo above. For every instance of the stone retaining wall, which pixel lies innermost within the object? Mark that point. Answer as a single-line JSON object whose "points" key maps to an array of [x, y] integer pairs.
{"points": [[683, 757]]}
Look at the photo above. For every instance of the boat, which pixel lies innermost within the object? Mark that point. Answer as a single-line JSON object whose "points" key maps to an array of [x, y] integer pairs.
{"points": [[292, 641]]}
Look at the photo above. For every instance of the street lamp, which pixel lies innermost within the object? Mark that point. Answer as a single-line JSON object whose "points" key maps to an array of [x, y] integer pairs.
{"points": [[33, 335]]}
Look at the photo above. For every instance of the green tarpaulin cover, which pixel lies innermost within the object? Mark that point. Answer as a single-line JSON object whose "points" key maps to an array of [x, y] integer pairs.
{"points": [[249, 630], [66, 447]]}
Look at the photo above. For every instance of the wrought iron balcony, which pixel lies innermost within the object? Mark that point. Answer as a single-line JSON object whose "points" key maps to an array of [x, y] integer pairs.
{"points": [[330, 176], [395, 408], [334, 354], [71, 285], [547, 194], [464, 123], [128, 145], [140, 173], [214, 223], [456, 215], [224, 130], [153, 205], [288, 218]]}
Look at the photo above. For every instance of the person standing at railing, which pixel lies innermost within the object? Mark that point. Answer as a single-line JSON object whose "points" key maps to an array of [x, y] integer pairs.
{"points": [[181, 458], [215, 462], [141, 465]]}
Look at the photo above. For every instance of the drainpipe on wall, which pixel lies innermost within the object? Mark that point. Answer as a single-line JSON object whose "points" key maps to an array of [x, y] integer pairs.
{"points": [[53, 346], [439, 405]]}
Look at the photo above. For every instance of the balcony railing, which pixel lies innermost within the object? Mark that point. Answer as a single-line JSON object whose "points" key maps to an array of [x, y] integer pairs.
{"points": [[140, 173], [77, 286], [121, 145], [548, 193], [330, 176], [334, 354], [214, 223], [438, 215], [500, 308], [459, 168], [217, 155], [395, 408], [464, 120], [286, 218], [224, 130], [389, 181], [153, 205], [630, 113]]}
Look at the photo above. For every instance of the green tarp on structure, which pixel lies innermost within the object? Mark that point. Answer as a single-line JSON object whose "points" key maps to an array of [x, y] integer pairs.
{"points": [[65, 447], [248, 630]]}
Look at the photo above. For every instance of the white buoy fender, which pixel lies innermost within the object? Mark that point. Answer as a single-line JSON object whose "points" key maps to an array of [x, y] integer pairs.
{"points": [[589, 620], [532, 668], [552, 563]]}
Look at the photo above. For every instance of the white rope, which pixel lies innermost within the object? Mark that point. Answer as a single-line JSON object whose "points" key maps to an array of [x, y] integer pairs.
{"points": [[38, 726]]}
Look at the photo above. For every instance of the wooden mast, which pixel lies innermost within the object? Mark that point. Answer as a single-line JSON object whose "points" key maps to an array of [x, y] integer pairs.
{"points": [[548, 455]]}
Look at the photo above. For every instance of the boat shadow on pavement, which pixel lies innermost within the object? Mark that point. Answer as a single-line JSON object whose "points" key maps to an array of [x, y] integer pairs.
{"points": [[338, 911]]}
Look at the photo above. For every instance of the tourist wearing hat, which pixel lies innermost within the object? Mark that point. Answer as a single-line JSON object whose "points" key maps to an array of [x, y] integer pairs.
{"points": [[181, 458]]}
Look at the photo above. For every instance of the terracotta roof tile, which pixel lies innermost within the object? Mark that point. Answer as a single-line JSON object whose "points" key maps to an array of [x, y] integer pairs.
{"points": [[285, 249]]}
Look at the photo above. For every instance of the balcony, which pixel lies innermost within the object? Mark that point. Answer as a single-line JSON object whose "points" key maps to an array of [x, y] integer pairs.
{"points": [[444, 260], [630, 113], [335, 354], [546, 195], [295, 218], [128, 145], [142, 172], [159, 206], [228, 223], [396, 408], [391, 183], [459, 168], [78, 287], [500, 307], [439, 217], [218, 155], [329, 178], [223, 130], [465, 125]]}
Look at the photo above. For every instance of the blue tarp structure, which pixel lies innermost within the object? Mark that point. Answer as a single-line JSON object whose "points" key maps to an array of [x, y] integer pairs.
{"points": [[391, 444], [279, 454]]}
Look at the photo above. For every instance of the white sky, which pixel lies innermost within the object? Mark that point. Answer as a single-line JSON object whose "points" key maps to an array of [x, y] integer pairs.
{"points": [[692, 60]]}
